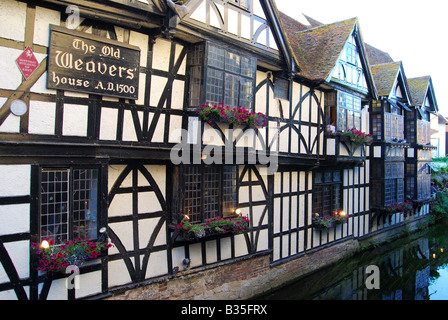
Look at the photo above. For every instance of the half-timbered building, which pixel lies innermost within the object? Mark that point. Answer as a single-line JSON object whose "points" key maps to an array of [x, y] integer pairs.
{"points": [[418, 130], [388, 129], [100, 132]]}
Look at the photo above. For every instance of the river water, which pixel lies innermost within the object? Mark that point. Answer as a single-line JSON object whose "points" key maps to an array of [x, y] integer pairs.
{"points": [[410, 268]]}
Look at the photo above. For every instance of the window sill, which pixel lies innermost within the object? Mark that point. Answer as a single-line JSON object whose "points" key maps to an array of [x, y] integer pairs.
{"points": [[190, 237]]}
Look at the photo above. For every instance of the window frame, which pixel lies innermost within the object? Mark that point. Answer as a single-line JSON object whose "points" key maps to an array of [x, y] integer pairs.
{"points": [[70, 233], [326, 183], [394, 173], [181, 192], [200, 65], [343, 110]]}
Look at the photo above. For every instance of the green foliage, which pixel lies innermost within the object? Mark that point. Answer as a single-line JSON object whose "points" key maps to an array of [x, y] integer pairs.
{"points": [[217, 225], [441, 205]]}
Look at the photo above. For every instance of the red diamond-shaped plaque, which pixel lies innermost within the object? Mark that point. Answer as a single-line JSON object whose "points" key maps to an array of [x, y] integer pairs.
{"points": [[27, 62]]}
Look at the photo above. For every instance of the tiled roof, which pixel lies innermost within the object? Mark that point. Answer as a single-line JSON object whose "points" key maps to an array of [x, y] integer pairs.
{"points": [[317, 49], [376, 56], [418, 88], [385, 75]]}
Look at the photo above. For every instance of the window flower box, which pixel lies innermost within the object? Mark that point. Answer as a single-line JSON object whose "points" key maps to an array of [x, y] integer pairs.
{"points": [[327, 223], [238, 117], [57, 258], [357, 137], [405, 207], [212, 227]]}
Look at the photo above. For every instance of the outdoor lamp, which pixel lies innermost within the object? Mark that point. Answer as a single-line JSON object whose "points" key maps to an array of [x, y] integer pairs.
{"points": [[45, 244]]}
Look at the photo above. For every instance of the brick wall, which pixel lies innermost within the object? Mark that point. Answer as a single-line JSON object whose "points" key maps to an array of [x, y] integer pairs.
{"points": [[241, 280]]}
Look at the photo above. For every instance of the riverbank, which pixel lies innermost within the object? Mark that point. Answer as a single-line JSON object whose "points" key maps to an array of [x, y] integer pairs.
{"points": [[409, 265]]}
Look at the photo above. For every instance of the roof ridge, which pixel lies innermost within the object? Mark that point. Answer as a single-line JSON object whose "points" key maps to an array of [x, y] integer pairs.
{"points": [[328, 25]]}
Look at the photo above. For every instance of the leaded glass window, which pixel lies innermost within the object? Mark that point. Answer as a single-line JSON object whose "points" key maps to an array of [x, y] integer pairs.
{"points": [[69, 204], [206, 191], [327, 192], [229, 77]]}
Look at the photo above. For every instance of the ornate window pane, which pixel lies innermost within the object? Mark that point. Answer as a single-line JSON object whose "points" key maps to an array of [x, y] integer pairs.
{"points": [[327, 192], [63, 217], [229, 79], [207, 191]]}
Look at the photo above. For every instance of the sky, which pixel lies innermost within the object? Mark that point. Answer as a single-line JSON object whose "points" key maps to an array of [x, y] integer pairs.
{"points": [[411, 31]]}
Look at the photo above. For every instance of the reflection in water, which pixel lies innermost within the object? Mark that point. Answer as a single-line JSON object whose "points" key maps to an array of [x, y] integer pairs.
{"points": [[412, 268]]}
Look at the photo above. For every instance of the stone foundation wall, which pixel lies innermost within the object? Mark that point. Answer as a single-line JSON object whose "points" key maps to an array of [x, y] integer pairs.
{"points": [[238, 281]]}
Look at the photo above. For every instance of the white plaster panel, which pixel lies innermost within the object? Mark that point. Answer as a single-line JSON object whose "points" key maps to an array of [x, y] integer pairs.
{"points": [[114, 172], [240, 246], [162, 53], [294, 212], [44, 17], [285, 247], [157, 87], [257, 214], [245, 27], [11, 123], [183, 67], [40, 86], [108, 126], [177, 96], [129, 133], [200, 13], [146, 228], [276, 249], [124, 231], [277, 210], [159, 131], [42, 117], [12, 20], [75, 120], [301, 210], [158, 173], [211, 251], [10, 77], [195, 255], [258, 10], [148, 202], [232, 25], [118, 273], [305, 109], [14, 219], [89, 284], [175, 134], [58, 290], [157, 264], [141, 89], [121, 205], [15, 180], [285, 214], [284, 141], [19, 252], [140, 40]]}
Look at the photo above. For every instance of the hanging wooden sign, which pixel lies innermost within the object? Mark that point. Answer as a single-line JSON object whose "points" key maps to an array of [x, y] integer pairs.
{"points": [[86, 63]]}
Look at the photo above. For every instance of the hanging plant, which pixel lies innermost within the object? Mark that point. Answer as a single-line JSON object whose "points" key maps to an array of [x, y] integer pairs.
{"points": [[215, 226], [405, 207], [328, 222], [238, 117], [57, 258], [358, 137]]}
